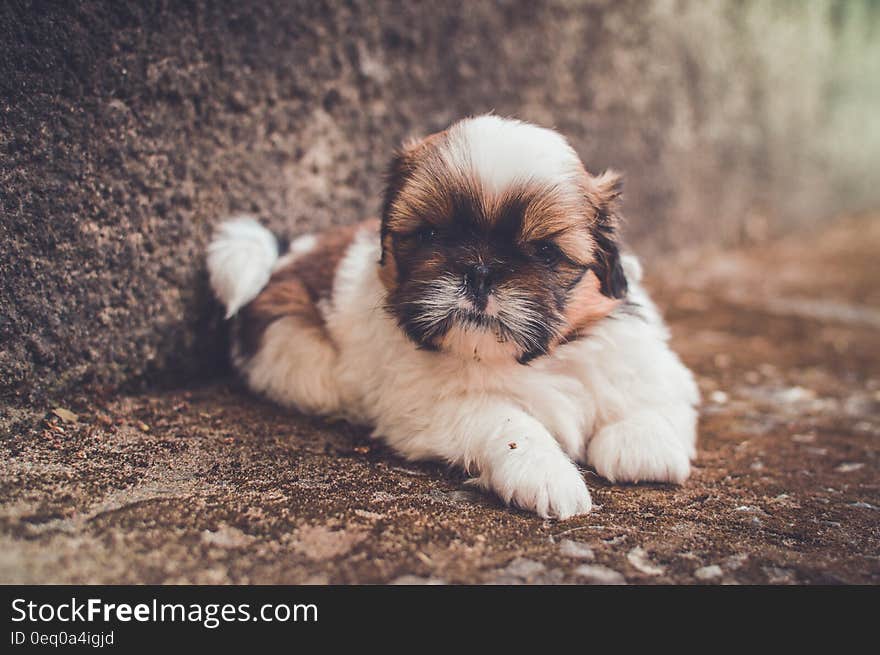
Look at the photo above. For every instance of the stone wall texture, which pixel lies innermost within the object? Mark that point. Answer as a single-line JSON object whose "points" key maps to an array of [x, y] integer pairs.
{"points": [[128, 129]]}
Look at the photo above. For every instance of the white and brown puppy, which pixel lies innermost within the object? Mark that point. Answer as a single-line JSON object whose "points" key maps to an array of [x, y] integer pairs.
{"points": [[489, 321]]}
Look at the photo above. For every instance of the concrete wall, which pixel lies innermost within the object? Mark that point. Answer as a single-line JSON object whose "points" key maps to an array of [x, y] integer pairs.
{"points": [[127, 129]]}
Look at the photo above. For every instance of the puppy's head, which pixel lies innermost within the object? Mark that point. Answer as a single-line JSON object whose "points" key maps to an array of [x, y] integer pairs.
{"points": [[496, 242]]}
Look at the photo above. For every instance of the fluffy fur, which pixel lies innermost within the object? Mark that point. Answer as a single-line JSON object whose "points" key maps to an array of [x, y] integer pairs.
{"points": [[240, 260], [491, 321]]}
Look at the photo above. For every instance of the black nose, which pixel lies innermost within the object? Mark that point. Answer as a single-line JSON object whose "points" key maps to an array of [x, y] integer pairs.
{"points": [[480, 284]]}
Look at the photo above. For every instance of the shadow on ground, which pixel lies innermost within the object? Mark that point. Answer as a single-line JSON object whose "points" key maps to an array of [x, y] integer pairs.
{"points": [[210, 485]]}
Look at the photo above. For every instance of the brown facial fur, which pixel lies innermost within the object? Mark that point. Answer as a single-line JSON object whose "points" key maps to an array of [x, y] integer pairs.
{"points": [[422, 190]]}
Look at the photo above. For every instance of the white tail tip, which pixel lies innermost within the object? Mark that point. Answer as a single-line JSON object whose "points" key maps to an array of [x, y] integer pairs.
{"points": [[240, 261]]}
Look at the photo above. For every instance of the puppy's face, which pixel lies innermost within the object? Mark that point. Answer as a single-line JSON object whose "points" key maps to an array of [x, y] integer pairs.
{"points": [[496, 243]]}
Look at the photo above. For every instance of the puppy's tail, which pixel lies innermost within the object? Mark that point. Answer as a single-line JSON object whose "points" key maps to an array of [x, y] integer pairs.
{"points": [[240, 261]]}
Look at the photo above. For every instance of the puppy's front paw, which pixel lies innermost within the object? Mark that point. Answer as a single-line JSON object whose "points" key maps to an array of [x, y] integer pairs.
{"points": [[539, 479], [641, 448]]}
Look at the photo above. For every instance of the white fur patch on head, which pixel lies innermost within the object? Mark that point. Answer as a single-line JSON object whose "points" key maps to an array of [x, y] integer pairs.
{"points": [[502, 152]]}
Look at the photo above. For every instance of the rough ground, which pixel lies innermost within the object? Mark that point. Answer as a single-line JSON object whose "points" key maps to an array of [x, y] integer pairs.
{"points": [[209, 485]]}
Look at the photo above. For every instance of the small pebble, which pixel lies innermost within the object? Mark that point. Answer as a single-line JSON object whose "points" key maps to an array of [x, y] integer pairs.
{"points": [[65, 415], [522, 567], [639, 559], [417, 580], [708, 572], [576, 550], [796, 395], [596, 574], [365, 514]]}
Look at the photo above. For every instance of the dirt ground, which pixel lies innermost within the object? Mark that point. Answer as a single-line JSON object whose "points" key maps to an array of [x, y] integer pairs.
{"points": [[210, 485]]}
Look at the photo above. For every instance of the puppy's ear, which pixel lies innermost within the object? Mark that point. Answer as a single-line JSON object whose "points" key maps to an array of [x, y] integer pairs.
{"points": [[403, 166], [607, 188], [605, 194], [400, 168]]}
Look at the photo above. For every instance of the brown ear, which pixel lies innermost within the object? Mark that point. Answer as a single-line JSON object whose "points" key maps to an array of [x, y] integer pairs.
{"points": [[608, 187], [604, 194], [400, 168]]}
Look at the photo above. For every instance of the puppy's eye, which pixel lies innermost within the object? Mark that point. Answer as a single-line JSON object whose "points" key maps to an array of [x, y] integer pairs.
{"points": [[547, 252], [426, 235]]}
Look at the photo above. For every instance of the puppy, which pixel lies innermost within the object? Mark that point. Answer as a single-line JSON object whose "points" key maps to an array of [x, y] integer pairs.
{"points": [[489, 321]]}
